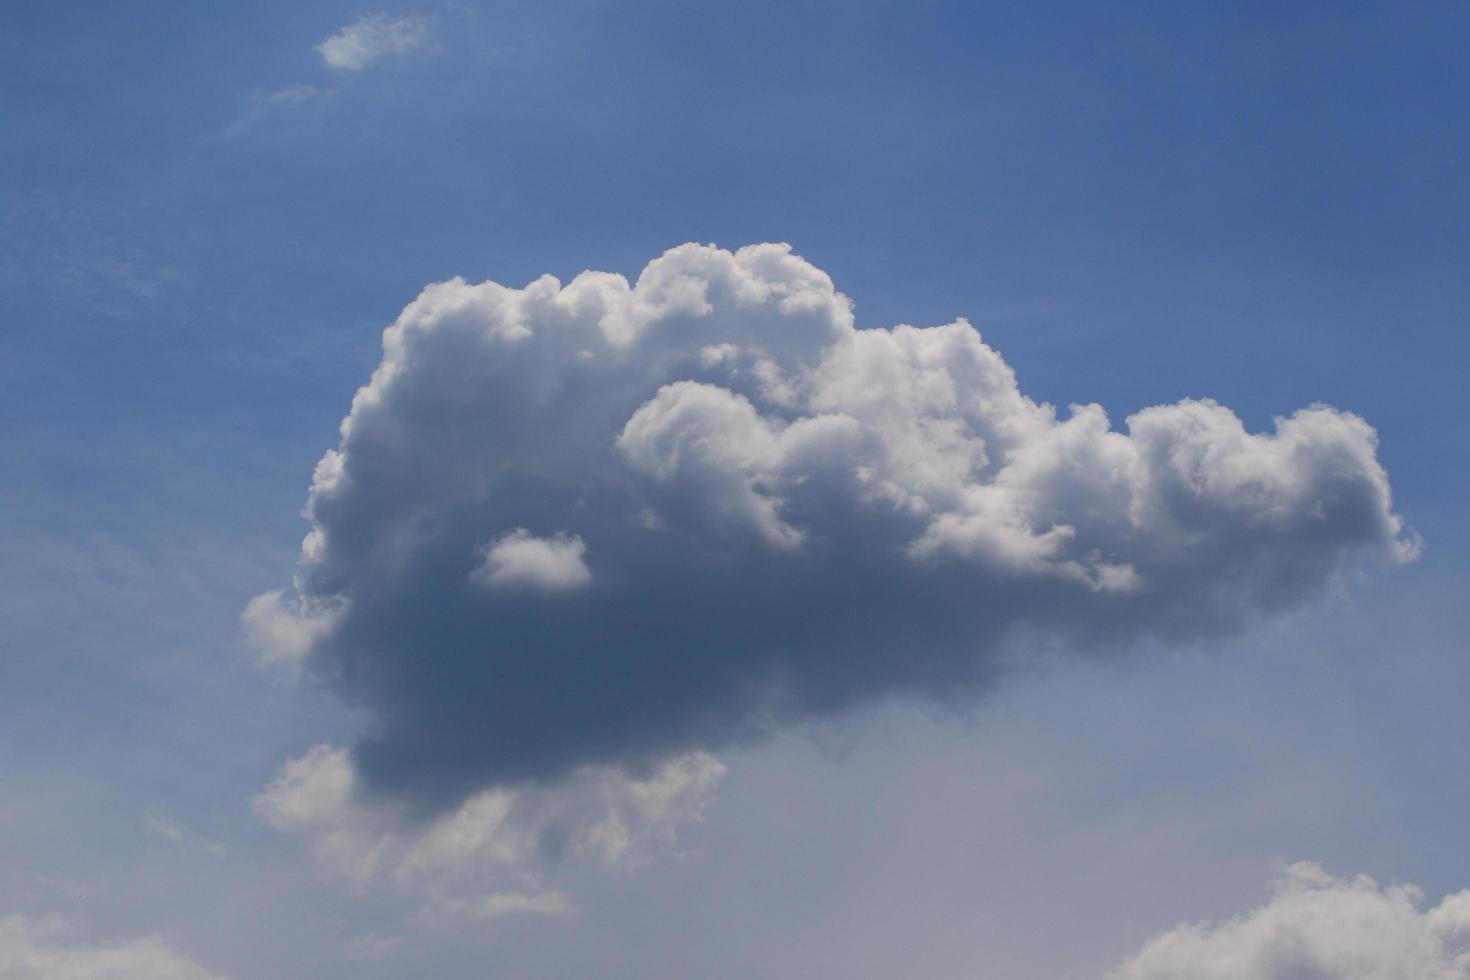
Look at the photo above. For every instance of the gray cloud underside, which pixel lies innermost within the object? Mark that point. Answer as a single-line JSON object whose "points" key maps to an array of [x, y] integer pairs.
{"points": [[599, 523]]}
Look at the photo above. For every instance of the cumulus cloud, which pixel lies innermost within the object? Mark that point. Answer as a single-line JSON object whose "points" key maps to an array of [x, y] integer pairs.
{"points": [[370, 38], [32, 949], [713, 504], [497, 838], [1320, 927]]}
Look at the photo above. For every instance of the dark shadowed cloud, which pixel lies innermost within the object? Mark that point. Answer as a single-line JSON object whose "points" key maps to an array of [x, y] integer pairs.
{"points": [[602, 523]]}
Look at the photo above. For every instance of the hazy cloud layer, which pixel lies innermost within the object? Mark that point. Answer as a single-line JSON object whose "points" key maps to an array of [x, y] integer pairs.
{"points": [[360, 44], [32, 949], [495, 840], [599, 523], [1319, 927]]}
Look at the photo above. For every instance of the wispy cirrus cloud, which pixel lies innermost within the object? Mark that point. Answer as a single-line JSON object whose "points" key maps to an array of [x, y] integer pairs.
{"points": [[352, 49], [262, 105]]}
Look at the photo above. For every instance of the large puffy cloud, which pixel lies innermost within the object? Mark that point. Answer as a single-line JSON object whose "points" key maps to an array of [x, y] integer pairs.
{"points": [[1320, 927], [42, 949], [599, 523]]}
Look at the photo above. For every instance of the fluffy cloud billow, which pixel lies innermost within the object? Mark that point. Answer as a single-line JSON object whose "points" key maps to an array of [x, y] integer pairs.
{"points": [[500, 836], [1321, 927], [603, 523]]}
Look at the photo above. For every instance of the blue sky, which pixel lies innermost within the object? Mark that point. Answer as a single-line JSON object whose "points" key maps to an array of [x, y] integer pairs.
{"points": [[205, 226]]}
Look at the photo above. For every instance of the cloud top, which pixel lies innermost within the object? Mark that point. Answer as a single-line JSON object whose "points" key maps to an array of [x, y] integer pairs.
{"points": [[1323, 927], [603, 522], [371, 38]]}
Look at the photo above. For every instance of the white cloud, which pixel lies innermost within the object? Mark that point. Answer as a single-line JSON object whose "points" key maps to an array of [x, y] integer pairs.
{"points": [[521, 560], [786, 515], [1319, 927], [32, 949], [596, 814], [360, 44], [715, 442], [282, 630]]}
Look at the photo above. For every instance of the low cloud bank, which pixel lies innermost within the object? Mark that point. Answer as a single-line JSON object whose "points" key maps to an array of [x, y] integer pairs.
{"points": [[496, 840], [604, 523], [43, 949], [1320, 927]]}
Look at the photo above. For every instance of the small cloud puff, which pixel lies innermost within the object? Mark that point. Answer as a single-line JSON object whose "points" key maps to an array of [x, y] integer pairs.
{"points": [[521, 560], [1323, 927], [367, 40]]}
